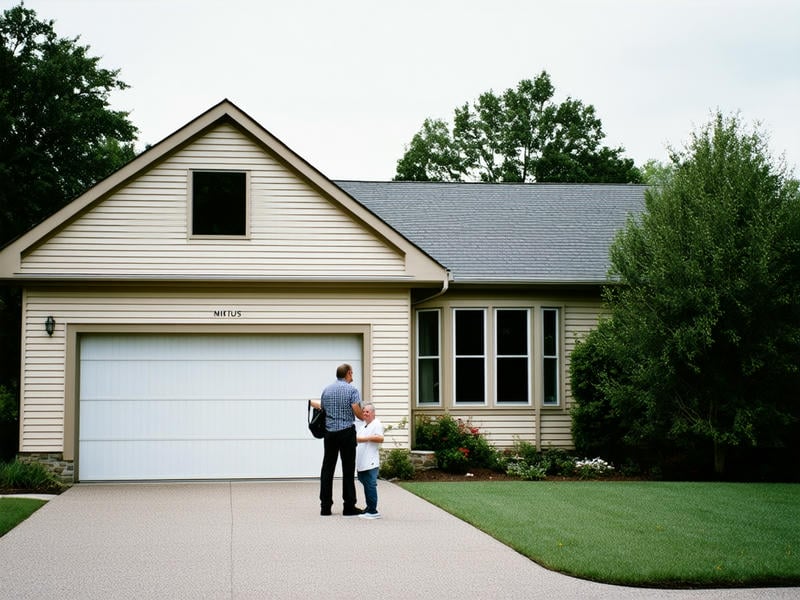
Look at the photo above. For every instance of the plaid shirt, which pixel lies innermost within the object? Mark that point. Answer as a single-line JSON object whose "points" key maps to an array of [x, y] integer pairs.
{"points": [[337, 400]]}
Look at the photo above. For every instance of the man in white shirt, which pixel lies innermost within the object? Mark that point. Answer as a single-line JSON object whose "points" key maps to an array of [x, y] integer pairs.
{"points": [[369, 434]]}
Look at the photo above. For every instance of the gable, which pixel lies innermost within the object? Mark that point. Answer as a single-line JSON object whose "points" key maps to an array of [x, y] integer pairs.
{"points": [[138, 223]]}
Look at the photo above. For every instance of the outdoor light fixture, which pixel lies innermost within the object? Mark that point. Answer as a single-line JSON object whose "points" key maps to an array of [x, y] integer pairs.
{"points": [[50, 325]]}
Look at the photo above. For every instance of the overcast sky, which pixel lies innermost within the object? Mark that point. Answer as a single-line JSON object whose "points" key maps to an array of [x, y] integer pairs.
{"points": [[347, 83]]}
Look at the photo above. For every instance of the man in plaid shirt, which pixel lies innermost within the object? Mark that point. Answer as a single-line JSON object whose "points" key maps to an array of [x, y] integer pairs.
{"points": [[342, 404]]}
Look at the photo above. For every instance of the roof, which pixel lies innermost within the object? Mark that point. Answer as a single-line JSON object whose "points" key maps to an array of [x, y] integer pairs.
{"points": [[507, 233]]}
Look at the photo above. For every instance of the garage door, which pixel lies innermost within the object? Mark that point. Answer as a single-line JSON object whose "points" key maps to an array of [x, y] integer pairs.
{"points": [[203, 406]]}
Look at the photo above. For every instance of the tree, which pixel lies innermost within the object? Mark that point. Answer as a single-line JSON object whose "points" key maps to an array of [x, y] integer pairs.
{"points": [[57, 138], [705, 321], [521, 135], [57, 133]]}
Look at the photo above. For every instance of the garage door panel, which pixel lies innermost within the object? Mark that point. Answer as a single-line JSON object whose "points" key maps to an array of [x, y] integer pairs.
{"points": [[191, 459], [166, 419], [138, 379], [203, 406]]}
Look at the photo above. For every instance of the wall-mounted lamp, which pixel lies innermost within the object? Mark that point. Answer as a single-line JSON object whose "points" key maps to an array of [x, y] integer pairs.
{"points": [[50, 325]]}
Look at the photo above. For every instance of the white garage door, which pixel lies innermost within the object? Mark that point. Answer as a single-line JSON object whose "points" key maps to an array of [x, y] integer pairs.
{"points": [[187, 406]]}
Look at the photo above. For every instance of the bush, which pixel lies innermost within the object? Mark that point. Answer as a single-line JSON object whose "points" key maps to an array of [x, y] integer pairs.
{"points": [[529, 463], [28, 476], [456, 444], [590, 469], [526, 471], [397, 465]]}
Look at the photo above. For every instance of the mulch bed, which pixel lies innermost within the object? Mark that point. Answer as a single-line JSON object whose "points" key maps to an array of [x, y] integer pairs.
{"points": [[489, 475]]}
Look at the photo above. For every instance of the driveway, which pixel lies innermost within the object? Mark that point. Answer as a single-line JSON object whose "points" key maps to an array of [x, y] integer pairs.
{"points": [[242, 540]]}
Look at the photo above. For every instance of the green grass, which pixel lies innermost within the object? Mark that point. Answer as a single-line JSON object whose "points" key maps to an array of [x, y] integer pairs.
{"points": [[657, 534], [15, 510]]}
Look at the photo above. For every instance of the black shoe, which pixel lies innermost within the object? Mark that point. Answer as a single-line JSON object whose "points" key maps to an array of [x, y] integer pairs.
{"points": [[352, 512], [325, 512]]}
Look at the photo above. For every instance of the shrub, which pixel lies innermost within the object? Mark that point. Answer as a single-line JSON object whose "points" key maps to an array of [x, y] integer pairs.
{"points": [[28, 476], [529, 463], [456, 444], [526, 471], [589, 469], [397, 465]]}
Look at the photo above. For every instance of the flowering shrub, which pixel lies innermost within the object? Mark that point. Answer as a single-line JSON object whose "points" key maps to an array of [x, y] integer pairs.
{"points": [[456, 444], [588, 469]]}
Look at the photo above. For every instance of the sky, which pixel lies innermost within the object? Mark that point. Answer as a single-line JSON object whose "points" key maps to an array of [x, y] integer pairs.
{"points": [[347, 83]]}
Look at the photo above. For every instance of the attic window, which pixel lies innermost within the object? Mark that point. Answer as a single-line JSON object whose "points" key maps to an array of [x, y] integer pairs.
{"points": [[219, 203]]}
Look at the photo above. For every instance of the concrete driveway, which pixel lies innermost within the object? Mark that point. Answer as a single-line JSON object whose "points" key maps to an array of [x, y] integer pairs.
{"points": [[242, 540]]}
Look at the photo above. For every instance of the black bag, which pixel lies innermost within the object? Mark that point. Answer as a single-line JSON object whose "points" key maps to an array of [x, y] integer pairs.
{"points": [[316, 421]]}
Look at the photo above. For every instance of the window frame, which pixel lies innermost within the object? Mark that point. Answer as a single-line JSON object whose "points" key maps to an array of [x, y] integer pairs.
{"points": [[528, 358], [484, 356], [555, 358], [420, 357], [191, 206]]}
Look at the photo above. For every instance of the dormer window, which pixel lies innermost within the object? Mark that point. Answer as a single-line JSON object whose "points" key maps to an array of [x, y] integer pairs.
{"points": [[219, 203]]}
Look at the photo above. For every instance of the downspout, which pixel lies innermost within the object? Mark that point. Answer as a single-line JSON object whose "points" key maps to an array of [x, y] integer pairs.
{"points": [[445, 287]]}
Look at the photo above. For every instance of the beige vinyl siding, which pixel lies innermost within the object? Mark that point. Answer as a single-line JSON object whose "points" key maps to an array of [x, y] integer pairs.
{"points": [[143, 228], [384, 314]]}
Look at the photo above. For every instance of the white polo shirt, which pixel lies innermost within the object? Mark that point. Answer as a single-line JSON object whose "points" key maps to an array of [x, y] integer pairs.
{"points": [[367, 453]]}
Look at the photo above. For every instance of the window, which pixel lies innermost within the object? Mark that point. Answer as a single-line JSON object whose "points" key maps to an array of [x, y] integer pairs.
{"points": [[470, 355], [512, 356], [428, 369], [550, 356], [219, 203]]}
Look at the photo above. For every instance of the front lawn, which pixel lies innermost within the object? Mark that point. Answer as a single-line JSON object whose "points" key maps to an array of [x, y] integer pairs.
{"points": [[15, 510], [658, 534]]}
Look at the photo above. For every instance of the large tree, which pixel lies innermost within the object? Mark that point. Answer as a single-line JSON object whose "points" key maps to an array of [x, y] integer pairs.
{"points": [[58, 136], [521, 135], [703, 340]]}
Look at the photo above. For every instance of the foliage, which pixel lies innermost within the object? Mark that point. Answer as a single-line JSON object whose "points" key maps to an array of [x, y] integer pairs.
{"points": [[15, 510], [591, 468], [521, 135], [9, 411], [702, 347], [9, 426], [456, 444], [34, 477], [57, 133], [528, 463], [656, 173], [397, 465], [526, 471], [592, 529]]}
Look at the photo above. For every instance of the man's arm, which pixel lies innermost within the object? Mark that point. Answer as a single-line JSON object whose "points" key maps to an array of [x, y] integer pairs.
{"points": [[357, 411]]}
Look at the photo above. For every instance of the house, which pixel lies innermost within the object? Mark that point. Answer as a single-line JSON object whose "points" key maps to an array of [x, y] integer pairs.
{"points": [[179, 314]]}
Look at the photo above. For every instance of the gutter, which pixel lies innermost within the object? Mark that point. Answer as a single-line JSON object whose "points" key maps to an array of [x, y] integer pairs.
{"points": [[445, 286]]}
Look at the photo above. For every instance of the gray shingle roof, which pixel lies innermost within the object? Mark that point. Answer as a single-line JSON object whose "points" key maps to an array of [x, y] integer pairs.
{"points": [[514, 233]]}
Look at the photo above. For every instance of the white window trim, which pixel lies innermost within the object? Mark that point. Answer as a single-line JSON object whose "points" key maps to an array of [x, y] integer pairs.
{"points": [[455, 402], [557, 310], [419, 357], [527, 356]]}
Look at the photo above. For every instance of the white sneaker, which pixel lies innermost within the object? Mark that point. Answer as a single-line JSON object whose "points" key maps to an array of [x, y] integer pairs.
{"points": [[367, 515]]}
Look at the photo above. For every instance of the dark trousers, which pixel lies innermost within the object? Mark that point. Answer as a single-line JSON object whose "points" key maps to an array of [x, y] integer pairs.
{"points": [[339, 443]]}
